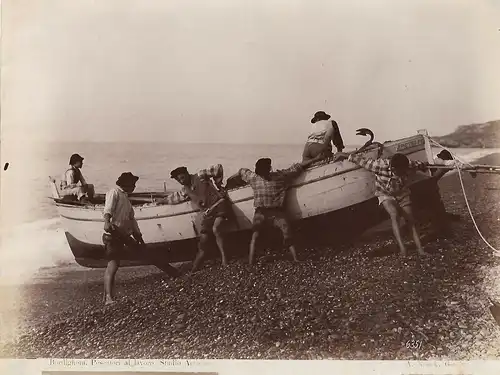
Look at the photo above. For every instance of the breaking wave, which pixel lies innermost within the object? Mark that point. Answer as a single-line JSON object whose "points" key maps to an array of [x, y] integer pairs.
{"points": [[26, 248]]}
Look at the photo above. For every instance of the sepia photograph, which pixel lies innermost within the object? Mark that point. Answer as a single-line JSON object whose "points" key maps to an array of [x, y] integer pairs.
{"points": [[250, 180]]}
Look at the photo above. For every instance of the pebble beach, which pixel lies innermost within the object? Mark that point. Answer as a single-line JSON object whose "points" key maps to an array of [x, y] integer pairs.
{"points": [[361, 301]]}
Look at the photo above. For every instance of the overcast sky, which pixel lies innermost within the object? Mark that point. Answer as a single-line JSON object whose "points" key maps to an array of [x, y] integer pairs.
{"points": [[245, 71]]}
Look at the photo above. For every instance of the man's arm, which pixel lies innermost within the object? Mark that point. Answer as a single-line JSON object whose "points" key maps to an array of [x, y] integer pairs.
{"points": [[109, 209], [246, 174], [377, 166], [215, 171], [416, 164], [337, 140], [174, 198], [295, 170], [307, 163], [82, 179]]}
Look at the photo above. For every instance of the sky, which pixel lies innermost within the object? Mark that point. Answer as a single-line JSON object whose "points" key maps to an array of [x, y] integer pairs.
{"points": [[237, 71]]}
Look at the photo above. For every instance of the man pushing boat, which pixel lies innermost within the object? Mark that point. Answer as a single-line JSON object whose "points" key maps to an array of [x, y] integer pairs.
{"points": [[207, 196], [391, 188], [269, 189]]}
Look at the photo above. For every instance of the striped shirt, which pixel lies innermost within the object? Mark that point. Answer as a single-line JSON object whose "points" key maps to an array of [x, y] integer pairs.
{"points": [[270, 193], [386, 182], [215, 171], [119, 207]]}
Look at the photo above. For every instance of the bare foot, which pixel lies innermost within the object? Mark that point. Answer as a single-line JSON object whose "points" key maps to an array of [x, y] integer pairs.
{"points": [[109, 301], [422, 252], [403, 253]]}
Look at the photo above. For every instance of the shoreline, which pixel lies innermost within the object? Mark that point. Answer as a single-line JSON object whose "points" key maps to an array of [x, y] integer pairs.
{"points": [[346, 297]]}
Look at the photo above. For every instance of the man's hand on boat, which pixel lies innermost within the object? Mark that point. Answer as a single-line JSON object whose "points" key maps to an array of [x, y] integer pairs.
{"points": [[108, 227], [339, 156]]}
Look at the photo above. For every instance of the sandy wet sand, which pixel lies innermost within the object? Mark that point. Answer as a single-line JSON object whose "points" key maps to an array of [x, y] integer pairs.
{"points": [[352, 302]]}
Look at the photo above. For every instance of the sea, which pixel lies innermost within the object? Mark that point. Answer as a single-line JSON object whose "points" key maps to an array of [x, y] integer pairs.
{"points": [[31, 237]]}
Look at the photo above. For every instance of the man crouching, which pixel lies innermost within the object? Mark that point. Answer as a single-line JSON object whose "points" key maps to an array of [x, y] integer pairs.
{"points": [[210, 199]]}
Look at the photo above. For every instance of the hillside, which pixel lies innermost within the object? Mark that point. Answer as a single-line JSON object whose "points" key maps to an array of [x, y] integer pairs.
{"points": [[485, 135]]}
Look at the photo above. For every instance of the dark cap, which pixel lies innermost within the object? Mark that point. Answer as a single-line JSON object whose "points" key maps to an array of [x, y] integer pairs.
{"points": [[320, 115], [400, 161], [177, 171], [263, 162], [75, 158], [445, 155], [126, 178]]}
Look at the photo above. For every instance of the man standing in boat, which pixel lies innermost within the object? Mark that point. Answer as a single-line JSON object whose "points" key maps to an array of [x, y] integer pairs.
{"points": [[72, 177], [269, 189], [323, 133], [119, 225], [210, 198], [391, 188]]}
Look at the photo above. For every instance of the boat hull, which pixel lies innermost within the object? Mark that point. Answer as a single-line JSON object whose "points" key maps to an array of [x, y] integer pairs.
{"points": [[326, 203]]}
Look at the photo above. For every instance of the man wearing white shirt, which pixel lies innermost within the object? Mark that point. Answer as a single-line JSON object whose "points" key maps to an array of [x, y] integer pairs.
{"points": [[73, 184], [323, 133], [119, 225]]}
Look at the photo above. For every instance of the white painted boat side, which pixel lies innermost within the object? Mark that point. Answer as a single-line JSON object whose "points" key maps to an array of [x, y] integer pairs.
{"points": [[322, 189]]}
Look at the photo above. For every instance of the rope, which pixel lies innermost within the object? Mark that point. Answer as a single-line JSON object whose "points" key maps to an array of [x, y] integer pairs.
{"points": [[496, 252]]}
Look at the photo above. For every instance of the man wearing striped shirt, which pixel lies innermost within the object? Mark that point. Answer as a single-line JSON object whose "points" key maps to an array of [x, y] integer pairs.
{"points": [[208, 197], [391, 188], [269, 190]]}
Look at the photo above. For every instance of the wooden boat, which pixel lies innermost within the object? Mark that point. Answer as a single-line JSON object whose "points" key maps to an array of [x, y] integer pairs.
{"points": [[331, 200]]}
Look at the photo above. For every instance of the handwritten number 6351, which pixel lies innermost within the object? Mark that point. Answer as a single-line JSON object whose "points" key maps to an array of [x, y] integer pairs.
{"points": [[414, 344]]}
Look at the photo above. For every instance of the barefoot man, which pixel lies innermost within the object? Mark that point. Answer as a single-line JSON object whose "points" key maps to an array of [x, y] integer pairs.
{"points": [[207, 196], [119, 225], [269, 189], [391, 179]]}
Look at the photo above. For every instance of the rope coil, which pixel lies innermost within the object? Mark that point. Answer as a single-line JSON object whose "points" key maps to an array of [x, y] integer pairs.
{"points": [[457, 167]]}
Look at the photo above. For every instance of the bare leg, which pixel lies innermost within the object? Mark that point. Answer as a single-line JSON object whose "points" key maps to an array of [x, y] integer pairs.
{"points": [[283, 225], [219, 239], [109, 281], [407, 212], [293, 252], [393, 211], [90, 191], [255, 236], [201, 251]]}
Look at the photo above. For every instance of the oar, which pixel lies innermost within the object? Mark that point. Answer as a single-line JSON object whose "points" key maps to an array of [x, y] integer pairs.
{"points": [[475, 169]]}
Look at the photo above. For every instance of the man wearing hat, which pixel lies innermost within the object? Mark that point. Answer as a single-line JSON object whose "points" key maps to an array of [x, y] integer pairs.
{"points": [[210, 199], [440, 219], [72, 177], [323, 132], [269, 189], [119, 225]]}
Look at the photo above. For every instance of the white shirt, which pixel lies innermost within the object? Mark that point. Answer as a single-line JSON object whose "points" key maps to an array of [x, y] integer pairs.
{"points": [[71, 180], [321, 132], [119, 207]]}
